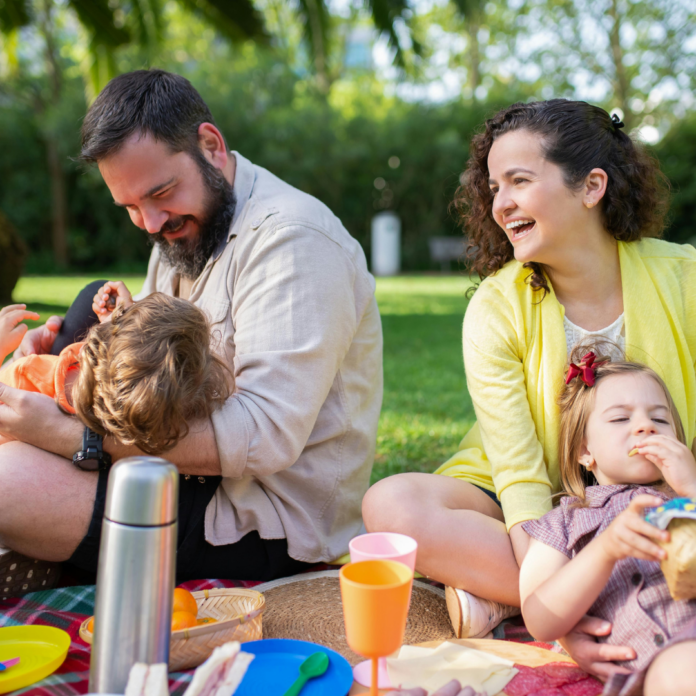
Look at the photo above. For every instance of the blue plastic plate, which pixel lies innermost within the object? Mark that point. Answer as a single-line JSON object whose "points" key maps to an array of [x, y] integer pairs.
{"points": [[277, 665]]}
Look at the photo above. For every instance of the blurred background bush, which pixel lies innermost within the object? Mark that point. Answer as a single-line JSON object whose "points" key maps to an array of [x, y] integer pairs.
{"points": [[366, 105]]}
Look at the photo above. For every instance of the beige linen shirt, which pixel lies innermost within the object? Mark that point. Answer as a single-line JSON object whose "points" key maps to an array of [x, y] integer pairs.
{"points": [[294, 314]]}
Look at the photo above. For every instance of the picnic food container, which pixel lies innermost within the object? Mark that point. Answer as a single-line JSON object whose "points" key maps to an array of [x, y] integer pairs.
{"points": [[679, 568], [135, 574], [237, 613]]}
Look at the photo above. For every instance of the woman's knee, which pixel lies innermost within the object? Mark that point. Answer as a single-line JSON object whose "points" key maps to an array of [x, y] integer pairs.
{"points": [[394, 504], [672, 672]]}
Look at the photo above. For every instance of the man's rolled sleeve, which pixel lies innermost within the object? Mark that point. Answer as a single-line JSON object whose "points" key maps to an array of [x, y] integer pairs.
{"points": [[295, 316]]}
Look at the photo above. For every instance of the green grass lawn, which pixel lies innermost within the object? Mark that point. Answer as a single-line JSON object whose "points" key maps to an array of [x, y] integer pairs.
{"points": [[426, 408]]}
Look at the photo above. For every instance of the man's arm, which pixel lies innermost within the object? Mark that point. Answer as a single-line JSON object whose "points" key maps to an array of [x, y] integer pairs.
{"points": [[196, 454], [297, 301], [35, 419]]}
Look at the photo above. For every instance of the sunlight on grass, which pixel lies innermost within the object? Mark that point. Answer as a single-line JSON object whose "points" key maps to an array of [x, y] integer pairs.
{"points": [[426, 409]]}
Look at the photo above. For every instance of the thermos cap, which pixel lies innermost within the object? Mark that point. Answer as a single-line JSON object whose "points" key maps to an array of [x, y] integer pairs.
{"points": [[143, 492]]}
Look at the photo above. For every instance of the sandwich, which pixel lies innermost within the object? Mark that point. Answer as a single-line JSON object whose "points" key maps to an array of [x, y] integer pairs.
{"points": [[221, 673], [147, 680]]}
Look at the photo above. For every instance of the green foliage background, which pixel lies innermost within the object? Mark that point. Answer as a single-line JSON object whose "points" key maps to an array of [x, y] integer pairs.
{"points": [[333, 146]]}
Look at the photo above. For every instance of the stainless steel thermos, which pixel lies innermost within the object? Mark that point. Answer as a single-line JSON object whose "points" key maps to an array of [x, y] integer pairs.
{"points": [[135, 575]]}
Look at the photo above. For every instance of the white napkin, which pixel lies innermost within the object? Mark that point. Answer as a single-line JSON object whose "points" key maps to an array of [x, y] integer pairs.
{"points": [[431, 668]]}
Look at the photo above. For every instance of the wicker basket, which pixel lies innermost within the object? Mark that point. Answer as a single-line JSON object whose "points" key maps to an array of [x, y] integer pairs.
{"points": [[238, 617]]}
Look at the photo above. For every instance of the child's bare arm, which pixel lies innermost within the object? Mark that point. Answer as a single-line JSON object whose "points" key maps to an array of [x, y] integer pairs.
{"points": [[109, 296], [11, 329], [557, 592]]}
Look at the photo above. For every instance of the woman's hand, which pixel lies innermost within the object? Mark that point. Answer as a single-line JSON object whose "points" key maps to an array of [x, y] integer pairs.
{"points": [[630, 535], [596, 658], [12, 331], [674, 460], [452, 688], [109, 296]]}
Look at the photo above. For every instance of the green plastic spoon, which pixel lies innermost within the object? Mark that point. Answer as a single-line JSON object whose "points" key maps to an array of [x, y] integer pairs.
{"points": [[314, 666]]}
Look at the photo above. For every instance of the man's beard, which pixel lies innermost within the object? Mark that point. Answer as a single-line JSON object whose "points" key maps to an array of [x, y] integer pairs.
{"points": [[189, 256]]}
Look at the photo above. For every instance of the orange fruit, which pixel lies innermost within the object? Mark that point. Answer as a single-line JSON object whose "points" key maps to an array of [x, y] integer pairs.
{"points": [[206, 620], [183, 619], [184, 601], [90, 625]]}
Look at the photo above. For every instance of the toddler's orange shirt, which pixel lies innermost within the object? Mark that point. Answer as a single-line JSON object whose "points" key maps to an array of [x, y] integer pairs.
{"points": [[44, 373]]}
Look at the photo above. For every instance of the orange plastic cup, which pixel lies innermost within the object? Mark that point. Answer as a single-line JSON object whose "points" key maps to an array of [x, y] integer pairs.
{"points": [[375, 597]]}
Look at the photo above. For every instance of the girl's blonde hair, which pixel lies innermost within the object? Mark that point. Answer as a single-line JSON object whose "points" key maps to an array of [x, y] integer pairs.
{"points": [[576, 402], [148, 372]]}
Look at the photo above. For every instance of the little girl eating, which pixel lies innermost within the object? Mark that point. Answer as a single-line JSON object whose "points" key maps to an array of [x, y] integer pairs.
{"points": [[595, 553]]}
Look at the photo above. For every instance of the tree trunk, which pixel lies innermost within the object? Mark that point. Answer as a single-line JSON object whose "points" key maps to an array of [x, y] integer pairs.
{"points": [[474, 58], [59, 212], [621, 84], [59, 206]]}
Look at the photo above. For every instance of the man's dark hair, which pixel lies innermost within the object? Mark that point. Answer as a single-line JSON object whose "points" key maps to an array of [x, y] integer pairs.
{"points": [[148, 102]]}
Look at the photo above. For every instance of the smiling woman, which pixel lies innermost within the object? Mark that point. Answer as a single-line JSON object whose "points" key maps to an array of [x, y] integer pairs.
{"points": [[558, 204]]}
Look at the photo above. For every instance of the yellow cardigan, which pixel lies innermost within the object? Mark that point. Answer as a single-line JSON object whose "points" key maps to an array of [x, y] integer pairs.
{"points": [[515, 355]]}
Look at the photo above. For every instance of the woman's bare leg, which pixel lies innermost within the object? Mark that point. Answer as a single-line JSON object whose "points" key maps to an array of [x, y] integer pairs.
{"points": [[672, 672], [46, 502], [461, 535]]}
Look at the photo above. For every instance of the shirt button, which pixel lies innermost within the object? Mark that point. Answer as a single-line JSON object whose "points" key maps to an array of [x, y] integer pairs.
{"points": [[636, 578], [659, 639], [256, 222]]}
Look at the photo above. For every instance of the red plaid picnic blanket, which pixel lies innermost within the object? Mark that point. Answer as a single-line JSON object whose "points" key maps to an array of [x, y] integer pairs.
{"points": [[68, 607]]}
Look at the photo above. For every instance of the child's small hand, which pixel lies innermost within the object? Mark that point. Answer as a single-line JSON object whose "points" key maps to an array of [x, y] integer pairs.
{"points": [[108, 297], [11, 329], [674, 460], [630, 535]]}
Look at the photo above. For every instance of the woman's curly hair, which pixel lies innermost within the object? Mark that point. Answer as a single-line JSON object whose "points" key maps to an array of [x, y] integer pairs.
{"points": [[578, 137], [148, 372]]}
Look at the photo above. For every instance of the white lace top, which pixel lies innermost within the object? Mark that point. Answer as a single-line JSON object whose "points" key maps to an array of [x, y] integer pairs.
{"points": [[615, 332]]}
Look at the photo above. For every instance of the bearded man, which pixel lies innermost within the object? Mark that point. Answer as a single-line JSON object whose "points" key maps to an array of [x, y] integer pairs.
{"points": [[273, 482]]}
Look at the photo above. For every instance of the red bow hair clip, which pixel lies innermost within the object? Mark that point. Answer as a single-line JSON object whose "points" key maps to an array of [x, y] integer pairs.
{"points": [[586, 370]]}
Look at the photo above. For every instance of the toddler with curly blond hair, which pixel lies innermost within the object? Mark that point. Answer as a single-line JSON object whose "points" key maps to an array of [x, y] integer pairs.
{"points": [[140, 375]]}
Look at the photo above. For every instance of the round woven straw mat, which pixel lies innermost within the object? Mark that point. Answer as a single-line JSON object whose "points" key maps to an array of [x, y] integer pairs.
{"points": [[308, 607]]}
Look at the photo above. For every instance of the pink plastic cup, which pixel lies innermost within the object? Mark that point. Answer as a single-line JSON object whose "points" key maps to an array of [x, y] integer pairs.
{"points": [[381, 546], [384, 546]]}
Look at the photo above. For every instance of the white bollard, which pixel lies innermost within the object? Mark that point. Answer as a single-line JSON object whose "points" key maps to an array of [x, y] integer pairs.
{"points": [[386, 244]]}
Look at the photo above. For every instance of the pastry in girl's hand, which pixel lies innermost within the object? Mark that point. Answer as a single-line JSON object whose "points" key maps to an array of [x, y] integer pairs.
{"points": [[678, 516]]}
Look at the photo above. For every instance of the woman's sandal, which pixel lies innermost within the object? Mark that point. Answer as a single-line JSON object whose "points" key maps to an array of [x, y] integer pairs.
{"points": [[475, 617], [20, 575]]}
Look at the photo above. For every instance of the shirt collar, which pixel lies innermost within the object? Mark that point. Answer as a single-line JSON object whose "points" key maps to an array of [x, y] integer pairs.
{"points": [[244, 178]]}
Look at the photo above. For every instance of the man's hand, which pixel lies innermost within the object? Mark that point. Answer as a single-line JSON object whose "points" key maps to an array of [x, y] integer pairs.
{"points": [[39, 341], [35, 419], [452, 688], [11, 329], [596, 658]]}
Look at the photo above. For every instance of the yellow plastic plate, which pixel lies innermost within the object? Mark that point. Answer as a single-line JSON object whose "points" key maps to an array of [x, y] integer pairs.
{"points": [[42, 650]]}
